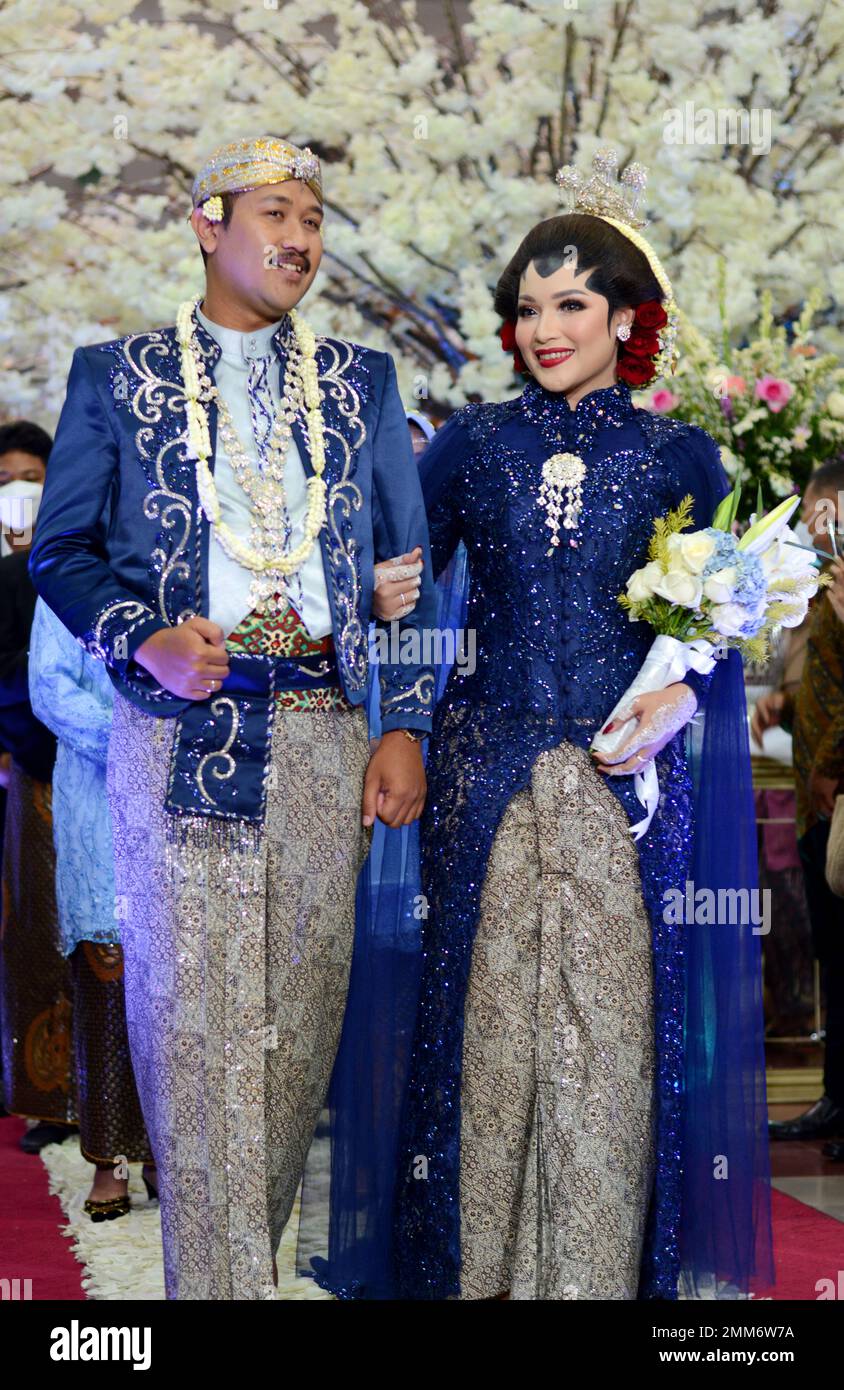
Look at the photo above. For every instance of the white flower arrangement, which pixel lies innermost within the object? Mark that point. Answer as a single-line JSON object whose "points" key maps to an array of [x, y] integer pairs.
{"points": [[703, 592], [775, 406], [710, 584]]}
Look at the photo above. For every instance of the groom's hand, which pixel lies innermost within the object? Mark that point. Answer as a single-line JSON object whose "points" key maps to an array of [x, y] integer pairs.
{"points": [[189, 660], [394, 786]]}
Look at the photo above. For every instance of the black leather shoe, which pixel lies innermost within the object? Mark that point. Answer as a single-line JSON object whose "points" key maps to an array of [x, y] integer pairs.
{"points": [[41, 1135], [824, 1120], [834, 1151]]}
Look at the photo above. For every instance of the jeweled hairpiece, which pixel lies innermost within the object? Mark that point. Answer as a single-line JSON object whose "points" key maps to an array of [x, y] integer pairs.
{"points": [[245, 164], [617, 201], [604, 194]]}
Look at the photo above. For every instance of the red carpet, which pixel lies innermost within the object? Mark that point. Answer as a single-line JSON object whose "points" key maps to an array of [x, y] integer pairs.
{"points": [[31, 1245], [808, 1247]]}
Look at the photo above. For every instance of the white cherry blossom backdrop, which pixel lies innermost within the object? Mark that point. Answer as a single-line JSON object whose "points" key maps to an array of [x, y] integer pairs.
{"points": [[440, 128]]}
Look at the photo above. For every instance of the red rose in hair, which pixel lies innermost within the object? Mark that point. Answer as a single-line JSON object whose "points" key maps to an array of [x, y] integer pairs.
{"points": [[636, 371], [642, 344], [651, 315], [507, 334]]}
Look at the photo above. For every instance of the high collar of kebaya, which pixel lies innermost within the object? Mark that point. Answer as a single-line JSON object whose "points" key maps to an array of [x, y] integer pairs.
{"points": [[609, 405]]}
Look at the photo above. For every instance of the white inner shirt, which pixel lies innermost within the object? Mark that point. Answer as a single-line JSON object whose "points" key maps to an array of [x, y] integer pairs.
{"points": [[229, 582]]}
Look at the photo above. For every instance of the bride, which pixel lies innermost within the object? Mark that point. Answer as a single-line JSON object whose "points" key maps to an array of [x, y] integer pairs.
{"points": [[584, 1070]]}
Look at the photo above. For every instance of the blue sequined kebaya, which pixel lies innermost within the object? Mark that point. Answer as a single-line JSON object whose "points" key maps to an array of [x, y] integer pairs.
{"points": [[555, 652]]}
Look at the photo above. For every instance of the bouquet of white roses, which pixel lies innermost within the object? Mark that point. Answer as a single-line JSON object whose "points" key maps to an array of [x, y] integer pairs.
{"points": [[705, 591]]}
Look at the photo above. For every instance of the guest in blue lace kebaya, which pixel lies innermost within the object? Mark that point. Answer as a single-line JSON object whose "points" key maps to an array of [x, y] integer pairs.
{"points": [[72, 694], [559, 1127]]}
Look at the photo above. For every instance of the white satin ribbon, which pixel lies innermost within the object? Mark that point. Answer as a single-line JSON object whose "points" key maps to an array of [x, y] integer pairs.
{"points": [[646, 784], [668, 660]]}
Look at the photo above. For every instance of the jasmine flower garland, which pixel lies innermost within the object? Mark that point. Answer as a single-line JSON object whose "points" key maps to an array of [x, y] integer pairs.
{"points": [[259, 561]]}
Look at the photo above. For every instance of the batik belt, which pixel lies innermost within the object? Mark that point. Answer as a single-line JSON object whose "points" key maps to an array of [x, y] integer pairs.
{"points": [[220, 761]]}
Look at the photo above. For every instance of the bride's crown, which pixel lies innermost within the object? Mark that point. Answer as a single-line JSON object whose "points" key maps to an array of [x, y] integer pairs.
{"points": [[617, 202], [604, 194]]}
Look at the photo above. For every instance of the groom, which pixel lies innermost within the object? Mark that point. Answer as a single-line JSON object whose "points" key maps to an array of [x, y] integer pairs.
{"points": [[216, 499]]}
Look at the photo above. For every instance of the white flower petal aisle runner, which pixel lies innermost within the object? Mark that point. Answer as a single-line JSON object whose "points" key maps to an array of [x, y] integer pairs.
{"points": [[122, 1258]]}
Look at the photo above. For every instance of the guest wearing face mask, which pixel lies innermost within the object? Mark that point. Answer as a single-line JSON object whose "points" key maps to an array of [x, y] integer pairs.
{"points": [[35, 986], [815, 716], [24, 448], [23, 462], [23, 454]]}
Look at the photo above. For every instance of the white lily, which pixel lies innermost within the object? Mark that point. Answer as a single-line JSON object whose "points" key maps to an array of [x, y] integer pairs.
{"points": [[765, 531]]}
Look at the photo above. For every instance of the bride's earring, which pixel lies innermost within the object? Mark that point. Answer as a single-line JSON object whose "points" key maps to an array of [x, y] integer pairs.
{"points": [[623, 332]]}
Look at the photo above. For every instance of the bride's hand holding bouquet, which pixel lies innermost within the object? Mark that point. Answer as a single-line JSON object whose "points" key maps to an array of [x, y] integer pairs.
{"points": [[703, 592]]}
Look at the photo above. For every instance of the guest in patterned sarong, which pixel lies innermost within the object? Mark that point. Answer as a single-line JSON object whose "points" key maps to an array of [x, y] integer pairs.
{"points": [[72, 694], [256, 473]]}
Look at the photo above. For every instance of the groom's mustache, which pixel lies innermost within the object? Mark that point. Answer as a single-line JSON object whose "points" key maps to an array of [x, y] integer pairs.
{"points": [[295, 258]]}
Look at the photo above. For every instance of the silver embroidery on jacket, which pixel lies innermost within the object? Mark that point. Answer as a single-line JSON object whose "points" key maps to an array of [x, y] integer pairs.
{"points": [[101, 644], [159, 406], [344, 497], [422, 691], [218, 707]]}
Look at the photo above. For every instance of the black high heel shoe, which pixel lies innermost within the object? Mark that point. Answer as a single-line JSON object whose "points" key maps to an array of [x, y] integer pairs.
{"points": [[107, 1210], [152, 1191]]}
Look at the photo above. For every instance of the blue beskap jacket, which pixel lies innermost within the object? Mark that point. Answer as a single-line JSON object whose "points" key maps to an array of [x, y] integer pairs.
{"points": [[120, 452]]}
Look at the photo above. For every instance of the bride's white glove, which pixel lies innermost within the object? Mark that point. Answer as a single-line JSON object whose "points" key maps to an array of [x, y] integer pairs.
{"points": [[397, 585], [661, 715]]}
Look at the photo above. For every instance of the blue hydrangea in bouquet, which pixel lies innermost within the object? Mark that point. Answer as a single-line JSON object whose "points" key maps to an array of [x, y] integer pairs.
{"points": [[704, 592]]}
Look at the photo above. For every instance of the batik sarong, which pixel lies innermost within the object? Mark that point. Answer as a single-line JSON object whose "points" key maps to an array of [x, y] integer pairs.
{"points": [[237, 944], [558, 1049]]}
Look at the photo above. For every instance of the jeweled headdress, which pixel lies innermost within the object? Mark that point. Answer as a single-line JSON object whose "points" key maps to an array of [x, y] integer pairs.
{"points": [[616, 200], [245, 164]]}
